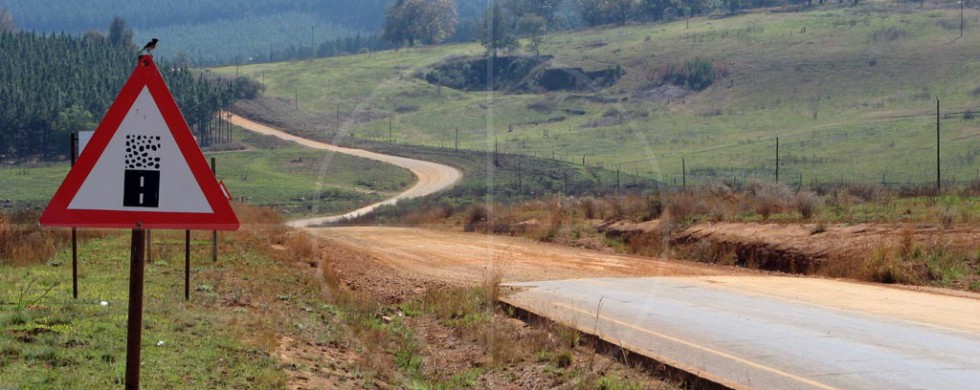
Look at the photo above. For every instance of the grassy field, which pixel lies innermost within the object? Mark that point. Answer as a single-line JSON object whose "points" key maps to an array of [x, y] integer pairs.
{"points": [[850, 92], [301, 181], [50, 340], [270, 172]]}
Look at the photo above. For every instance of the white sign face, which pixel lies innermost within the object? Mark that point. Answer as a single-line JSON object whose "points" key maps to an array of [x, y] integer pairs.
{"points": [[83, 138], [142, 169]]}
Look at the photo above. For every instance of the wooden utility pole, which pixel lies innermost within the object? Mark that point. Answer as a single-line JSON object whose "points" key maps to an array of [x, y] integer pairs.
{"points": [[683, 174], [564, 175], [939, 171], [617, 179], [777, 159], [520, 175], [495, 161]]}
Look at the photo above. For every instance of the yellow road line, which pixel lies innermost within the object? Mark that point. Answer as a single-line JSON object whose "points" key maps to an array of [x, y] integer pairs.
{"points": [[705, 349]]}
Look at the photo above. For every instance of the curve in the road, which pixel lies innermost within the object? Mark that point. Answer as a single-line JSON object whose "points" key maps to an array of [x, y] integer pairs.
{"points": [[430, 177]]}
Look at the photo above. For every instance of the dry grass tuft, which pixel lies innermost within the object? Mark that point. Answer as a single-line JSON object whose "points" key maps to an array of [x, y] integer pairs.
{"points": [[429, 214], [476, 216], [768, 199], [23, 242], [807, 204]]}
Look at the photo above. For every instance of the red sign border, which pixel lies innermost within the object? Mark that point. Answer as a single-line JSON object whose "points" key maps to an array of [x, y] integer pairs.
{"points": [[145, 75]]}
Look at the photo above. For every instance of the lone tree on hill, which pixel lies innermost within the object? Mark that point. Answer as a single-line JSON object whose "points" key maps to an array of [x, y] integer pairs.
{"points": [[120, 35], [657, 9], [496, 34], [420, 21], [533, 27], [547, 9]]}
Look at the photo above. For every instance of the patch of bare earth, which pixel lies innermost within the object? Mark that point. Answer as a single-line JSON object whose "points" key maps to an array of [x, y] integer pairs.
{"points": [[360, 271], [821, 242], [808, 248], [311, 366]]}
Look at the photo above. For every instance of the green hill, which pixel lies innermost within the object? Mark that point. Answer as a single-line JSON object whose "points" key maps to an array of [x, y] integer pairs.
{"points": [[850, 92]]}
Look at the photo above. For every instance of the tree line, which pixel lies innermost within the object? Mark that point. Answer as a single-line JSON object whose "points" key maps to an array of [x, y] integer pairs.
{"points": [[78, 16], [411, 22], [55, 84]]}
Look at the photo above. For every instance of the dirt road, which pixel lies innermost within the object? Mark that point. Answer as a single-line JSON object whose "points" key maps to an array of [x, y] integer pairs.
{"points": [[471, 258], [430, 177]]}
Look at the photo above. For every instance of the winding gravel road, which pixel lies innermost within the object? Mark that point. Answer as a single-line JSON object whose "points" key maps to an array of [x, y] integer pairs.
{"points": [[430, 177]]}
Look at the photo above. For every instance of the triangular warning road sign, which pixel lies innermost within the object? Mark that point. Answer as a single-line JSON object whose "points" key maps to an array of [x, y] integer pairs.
{"points": [[142, 168]]}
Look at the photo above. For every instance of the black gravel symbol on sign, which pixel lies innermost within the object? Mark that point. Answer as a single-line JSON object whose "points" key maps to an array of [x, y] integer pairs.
{"points": [[141, 152], [141, 179]]}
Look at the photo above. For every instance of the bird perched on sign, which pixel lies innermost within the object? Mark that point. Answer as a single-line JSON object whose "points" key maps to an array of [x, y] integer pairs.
{"points": [[152, 44]]}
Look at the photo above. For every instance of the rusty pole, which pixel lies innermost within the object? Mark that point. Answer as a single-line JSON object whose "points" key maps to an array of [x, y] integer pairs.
{"points": [[135, 320]]}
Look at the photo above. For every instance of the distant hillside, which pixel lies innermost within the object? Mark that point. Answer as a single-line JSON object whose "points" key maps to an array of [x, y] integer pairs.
{"points": [[850, 91], [218, 31]]}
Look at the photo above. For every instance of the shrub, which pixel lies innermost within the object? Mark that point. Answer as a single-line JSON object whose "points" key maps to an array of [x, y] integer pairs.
{"points": [[807, 203], [769, 198], [589, 208], [544, 106], [564, 359], [696, 74], [406, 108], [246, 88], [474, 215], [889, 34]]}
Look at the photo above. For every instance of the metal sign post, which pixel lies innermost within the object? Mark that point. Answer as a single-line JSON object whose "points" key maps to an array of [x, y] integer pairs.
{"points": [[134, 332], [74, 230], [187, 265]]}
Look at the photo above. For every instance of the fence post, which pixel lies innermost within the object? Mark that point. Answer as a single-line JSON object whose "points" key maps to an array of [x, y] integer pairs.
{"points": [[74, 230], [214, 233]]}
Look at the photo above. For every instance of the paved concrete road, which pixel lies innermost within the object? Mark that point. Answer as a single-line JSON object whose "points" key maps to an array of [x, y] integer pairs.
{"points": [[754, 340]]}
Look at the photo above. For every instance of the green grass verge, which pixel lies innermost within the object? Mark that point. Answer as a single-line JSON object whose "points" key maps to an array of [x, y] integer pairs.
{"points": [[49, 340]]}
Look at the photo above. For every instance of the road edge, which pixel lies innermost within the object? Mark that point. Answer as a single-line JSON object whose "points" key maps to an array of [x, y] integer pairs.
{"points": [[629, 355]]}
